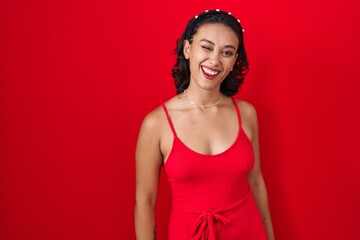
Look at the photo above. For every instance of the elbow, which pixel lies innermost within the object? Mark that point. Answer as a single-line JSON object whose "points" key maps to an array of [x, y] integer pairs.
{"points": [[145, 203], [256, 183]]}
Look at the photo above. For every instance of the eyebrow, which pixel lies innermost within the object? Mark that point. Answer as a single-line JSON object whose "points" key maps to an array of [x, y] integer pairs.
{"points": [[208, 41]]}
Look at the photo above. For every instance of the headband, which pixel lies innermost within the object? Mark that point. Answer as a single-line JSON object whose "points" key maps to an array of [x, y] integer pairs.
{"points": [[198, 18]]}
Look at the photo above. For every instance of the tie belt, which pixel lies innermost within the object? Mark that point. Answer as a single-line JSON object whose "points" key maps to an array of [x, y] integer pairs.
{"points": [[204, 228]]}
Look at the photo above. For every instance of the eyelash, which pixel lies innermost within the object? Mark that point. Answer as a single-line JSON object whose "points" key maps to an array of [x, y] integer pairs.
{"points": [[207, 48], [226, 53]]}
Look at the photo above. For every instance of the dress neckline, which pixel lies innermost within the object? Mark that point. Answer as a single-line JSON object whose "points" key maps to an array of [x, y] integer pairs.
{"points": [[177, 140]]}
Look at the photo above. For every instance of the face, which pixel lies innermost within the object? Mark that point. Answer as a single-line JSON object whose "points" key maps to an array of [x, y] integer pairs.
{"points": [[212, 55]]}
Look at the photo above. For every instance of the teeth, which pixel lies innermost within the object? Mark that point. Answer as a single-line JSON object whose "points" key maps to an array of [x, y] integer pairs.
{"points": [[209, 72]]}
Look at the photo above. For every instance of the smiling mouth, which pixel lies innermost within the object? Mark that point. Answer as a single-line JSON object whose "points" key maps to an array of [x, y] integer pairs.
{"points": [[209, 72]]}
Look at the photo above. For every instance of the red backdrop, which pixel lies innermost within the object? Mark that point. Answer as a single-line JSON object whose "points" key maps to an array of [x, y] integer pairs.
{"points": [[77, 77]]}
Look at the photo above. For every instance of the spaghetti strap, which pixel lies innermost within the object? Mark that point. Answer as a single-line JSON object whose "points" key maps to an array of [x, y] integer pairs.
{"points": [[237, 112], [169, 120]]}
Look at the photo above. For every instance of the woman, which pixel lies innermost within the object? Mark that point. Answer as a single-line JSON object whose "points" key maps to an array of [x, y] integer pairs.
{"points": [[206, 141]]}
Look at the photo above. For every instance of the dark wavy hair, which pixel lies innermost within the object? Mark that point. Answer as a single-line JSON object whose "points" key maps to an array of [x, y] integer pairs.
{"points": [[181, 69]]}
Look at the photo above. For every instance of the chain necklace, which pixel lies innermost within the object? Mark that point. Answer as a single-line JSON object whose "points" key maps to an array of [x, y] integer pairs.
{"points": [[202, 106]]}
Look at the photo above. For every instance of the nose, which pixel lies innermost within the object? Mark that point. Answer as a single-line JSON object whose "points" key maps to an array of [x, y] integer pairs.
{"points": [[214, 58]]}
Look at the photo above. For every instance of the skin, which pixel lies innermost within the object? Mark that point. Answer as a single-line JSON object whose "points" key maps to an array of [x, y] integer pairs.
{"points": [[203, 130]]}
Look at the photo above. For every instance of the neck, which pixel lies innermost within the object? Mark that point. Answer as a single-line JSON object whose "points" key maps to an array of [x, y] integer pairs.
{"points": [[202, 96]]}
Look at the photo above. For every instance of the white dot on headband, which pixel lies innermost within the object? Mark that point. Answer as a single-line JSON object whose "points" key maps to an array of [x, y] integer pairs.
{"points": [[218, 10]]}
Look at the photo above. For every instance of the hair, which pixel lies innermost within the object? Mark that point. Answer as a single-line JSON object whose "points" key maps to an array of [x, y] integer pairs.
{"points": [[181, 69]]}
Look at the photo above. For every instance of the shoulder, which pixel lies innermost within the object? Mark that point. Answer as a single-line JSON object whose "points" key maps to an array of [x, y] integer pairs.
{"points": [[153, 120], [248, 118], [247, 110], [157, 119]]}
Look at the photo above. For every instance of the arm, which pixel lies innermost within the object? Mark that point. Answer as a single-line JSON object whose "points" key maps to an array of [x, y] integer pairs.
{"points": [[148, 163], [255, 177]]}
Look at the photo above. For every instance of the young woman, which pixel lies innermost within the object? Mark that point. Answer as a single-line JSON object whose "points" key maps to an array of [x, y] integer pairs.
{"points": [[206, 141]]}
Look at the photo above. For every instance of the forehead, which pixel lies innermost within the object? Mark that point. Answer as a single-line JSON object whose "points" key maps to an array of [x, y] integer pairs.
{"points": [[217, 33]]}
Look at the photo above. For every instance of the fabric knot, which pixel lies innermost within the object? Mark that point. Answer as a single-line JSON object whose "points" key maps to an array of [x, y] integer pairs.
{"points": [[205, 225]]}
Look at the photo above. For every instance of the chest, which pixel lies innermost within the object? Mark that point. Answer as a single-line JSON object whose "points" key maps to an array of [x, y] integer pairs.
{"points": [[230, 165], [207, 133]]}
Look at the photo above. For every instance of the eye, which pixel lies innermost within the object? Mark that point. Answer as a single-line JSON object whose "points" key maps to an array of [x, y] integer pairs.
{"points": [[228, 53], [207, 48]]}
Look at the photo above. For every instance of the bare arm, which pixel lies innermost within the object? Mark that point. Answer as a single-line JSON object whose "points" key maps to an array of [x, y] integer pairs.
{"points": [[255, 177], [148, 163]]}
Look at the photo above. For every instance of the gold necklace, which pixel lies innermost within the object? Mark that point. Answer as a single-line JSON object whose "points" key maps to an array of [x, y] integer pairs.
{"points": [[202, 105]]}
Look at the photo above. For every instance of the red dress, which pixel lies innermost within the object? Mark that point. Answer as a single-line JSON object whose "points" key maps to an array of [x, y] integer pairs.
{"points": [[211, 196]]}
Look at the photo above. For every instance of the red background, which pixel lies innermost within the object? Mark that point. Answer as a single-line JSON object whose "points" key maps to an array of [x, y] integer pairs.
{"points": [[77, 77]]}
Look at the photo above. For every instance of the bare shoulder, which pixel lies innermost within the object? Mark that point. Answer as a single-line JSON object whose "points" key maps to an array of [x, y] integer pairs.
{"points": [[247, 110], [153, 117], [153, 121], [248, 118]]}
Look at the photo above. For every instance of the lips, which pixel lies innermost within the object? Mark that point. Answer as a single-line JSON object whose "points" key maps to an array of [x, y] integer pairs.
{"points": [[209, 73]]}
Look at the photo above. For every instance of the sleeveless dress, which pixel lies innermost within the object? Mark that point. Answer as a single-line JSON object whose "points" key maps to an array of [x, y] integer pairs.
{"points": [[211, 196]]}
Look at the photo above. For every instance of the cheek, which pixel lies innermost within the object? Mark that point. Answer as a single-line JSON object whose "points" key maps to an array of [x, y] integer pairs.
{"points": [[196, 59], [228, 65]]}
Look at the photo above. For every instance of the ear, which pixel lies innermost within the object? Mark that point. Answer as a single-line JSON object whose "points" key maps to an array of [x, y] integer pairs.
{"points": [[186, 49]]}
